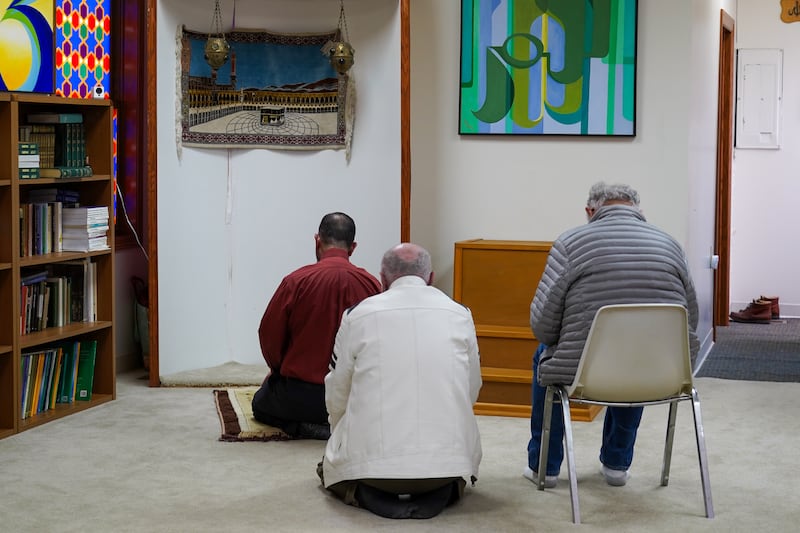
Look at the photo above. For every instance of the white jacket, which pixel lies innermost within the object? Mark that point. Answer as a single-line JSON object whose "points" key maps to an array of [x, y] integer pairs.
{"points": [[404, 376]]}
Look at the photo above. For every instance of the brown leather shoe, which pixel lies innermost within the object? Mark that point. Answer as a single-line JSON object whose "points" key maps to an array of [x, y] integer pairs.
{"points": [[776, 307], [758, 312]]}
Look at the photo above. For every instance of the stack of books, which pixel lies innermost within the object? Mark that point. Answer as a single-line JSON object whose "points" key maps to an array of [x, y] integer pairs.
{"points": [[29, 160], [84, 229], [62, 140]]}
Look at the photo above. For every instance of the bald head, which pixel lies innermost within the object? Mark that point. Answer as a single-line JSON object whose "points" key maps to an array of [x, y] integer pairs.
{"points": [[406, 259]]}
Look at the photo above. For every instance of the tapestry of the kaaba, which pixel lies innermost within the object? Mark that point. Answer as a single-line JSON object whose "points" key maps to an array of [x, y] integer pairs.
{"points": [[274, 91]]}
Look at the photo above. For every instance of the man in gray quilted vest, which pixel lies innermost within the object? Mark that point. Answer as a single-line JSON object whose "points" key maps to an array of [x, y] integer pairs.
{"points": [[617, 258]]}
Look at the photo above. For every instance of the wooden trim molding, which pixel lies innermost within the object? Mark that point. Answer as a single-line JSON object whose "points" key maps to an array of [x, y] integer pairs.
{"points": [[151, 171], [405, 121], [722, 224]]}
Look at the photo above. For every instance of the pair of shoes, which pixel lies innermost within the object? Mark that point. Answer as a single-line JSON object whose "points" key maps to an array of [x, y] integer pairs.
{"points": [[309, 430], [550, 482], [615, 478], [757, 312], [776, 306]]}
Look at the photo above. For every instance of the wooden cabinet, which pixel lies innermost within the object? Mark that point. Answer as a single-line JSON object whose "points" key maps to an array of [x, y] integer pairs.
{"points": [[96, 190], [497, 279]]}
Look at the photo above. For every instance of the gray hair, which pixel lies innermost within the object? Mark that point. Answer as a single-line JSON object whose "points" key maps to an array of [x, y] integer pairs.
{"points": [[600, 194], [406, 259]]}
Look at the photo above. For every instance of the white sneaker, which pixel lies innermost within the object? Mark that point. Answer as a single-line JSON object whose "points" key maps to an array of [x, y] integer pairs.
{"points": [[615, 478], [549, 481]]}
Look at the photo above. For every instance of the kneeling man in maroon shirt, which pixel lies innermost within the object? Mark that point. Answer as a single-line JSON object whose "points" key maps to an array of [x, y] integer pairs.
{"points": [[298, 329]]}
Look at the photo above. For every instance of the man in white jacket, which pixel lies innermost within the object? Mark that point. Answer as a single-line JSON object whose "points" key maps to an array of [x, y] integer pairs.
{"points": [[404, 375]]}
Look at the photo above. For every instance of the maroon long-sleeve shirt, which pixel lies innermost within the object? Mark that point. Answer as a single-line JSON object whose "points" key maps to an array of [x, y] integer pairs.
{"points": [[300, 323]]}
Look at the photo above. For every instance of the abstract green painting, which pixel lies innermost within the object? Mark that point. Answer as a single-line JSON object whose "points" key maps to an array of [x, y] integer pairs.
{"points": [[548, 67]]}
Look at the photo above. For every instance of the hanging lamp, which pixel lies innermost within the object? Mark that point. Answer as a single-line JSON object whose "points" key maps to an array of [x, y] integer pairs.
{"points": [[217, 48], [340, 52]]}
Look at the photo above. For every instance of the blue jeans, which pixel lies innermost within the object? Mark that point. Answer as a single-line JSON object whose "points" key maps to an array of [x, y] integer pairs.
{"points": [[619, 430]]}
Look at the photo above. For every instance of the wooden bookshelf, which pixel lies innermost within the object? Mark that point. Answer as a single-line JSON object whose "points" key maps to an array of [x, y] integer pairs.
{"points": [[95, 190], [497, 279]]}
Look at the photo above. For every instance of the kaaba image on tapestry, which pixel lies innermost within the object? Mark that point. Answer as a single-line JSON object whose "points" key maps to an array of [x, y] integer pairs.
{"points": [[274, 91]]}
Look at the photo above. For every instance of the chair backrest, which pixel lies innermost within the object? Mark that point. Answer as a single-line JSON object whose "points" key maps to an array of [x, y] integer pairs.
{"points": [[635, 353]]}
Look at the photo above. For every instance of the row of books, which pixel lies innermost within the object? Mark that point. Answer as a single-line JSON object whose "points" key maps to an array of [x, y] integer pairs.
{"points": [[60, 141], [59, 295], [53, 226], [60, 374]]}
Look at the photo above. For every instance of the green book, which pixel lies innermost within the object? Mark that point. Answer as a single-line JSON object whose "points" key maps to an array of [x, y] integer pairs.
{"points": [[67, 380], [85, 378], [28, 148]]}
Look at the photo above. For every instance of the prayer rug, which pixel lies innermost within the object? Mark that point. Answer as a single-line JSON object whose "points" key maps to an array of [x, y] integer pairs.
{"points": [[236, 417]]}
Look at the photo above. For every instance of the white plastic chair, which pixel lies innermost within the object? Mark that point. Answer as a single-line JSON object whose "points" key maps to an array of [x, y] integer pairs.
{"points": [[635, 355]]}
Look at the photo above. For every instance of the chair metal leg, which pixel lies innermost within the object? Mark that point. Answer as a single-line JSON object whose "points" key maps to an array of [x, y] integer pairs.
{"points": [[701, 454], [673, 410], [570, 453], [544, 445]]}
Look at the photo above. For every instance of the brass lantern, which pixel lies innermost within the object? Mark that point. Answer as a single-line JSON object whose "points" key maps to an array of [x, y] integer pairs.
{"points": [[217, 48], [340, 51], [341, 56]]}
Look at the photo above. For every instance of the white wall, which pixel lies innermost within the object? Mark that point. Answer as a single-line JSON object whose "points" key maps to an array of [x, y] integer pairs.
{"points": [[232, 223], [534, 188], [765, 257]]}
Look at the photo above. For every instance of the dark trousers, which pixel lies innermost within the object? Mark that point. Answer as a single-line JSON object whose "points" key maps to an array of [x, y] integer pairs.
{"points": [[619, 430], [286, 402]]}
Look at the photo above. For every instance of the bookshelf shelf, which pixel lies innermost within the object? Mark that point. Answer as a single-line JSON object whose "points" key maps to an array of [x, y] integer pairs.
{"points": [[63, 410], [53, 335], [46, 259], [97, 190], [63, 181]]}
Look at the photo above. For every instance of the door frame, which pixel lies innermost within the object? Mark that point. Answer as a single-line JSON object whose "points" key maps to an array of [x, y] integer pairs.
{"points": [[151, 160], [725, 125]]}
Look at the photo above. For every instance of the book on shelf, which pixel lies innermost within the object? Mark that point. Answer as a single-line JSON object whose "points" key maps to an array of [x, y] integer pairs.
{"points": [[81, 287], [27, 148], [54, 194], [57, 310], [28, 161], [85, 376], [69, 368], [40, 374], [83, 171], [41, 228], [55, 118], [44, 137], [84, 244], [57, 376], [70, 145], [29, 173]]}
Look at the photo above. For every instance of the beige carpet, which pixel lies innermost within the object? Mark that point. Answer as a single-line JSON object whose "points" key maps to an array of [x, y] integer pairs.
{"points": [[236, 417], [230, 374]]}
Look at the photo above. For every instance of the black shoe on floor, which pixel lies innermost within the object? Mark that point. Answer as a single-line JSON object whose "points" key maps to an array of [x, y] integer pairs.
{"points": [[308, 430]]}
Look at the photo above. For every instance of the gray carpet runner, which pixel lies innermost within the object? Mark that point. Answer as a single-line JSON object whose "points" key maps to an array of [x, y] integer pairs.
{"points": [[756, 352]]}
